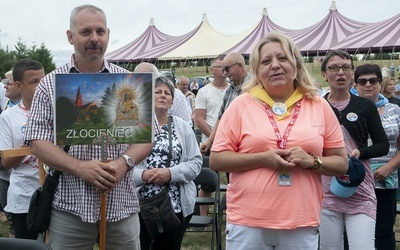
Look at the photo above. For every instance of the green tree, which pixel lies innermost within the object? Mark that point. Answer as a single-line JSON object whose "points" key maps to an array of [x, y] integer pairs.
{"points": [[7, 60], [42, 55], [21, 51], [382, 56]]}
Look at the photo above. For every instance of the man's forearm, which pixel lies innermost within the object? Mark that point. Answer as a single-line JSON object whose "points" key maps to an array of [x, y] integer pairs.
{"points": [[53, 156]]}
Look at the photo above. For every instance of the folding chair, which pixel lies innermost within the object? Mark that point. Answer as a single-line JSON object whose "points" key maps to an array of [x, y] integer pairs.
{"points": [[207, 177], [221, 209], [20, 244]]}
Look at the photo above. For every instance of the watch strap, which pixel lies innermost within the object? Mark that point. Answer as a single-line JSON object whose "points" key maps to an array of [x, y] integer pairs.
{"points": [[317, 162]]}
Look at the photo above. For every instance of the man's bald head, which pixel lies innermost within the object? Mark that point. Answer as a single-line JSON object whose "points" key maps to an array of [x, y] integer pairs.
{"points": [[146, 67]]}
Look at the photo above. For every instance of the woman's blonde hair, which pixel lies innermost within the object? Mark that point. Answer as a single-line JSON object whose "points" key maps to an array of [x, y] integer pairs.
{"points": [[385, 83], [302, 80]]}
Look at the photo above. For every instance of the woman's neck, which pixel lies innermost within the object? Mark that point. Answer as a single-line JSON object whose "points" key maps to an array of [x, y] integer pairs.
{"points": [[162, 118], [387, 94], [338, 95], [282, 98]]}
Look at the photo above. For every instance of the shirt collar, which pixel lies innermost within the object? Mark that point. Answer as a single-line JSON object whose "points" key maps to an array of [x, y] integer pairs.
{"points": [[74, 68], [239, 88]]}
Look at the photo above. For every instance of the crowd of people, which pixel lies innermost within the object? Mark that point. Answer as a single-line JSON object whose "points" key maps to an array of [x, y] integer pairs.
{"points": [[308, 168]]}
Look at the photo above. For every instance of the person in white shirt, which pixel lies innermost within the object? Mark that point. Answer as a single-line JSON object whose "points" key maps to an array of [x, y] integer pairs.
{"points": [[24, 178], [209, 100], [183, 84], [3, 97], [194, 87], [12, 93], [385, 71], [207, 106]]}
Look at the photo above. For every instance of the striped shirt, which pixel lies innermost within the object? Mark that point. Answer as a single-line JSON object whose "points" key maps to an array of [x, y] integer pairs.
{"points": [[231, 93], [73, 194]]}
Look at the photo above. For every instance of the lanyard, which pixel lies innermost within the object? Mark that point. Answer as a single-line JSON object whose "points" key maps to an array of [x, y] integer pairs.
{"points": [[281, 141]]}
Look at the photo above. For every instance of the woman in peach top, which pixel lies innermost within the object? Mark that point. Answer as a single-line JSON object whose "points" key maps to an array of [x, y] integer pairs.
{"points": [[276, 140]]}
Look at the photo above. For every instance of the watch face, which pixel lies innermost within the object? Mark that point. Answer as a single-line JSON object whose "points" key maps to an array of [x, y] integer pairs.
{"points": [[130, 161]]}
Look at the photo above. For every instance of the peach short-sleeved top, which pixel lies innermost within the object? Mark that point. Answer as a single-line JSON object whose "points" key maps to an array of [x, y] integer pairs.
{"points": [[254, 197]]}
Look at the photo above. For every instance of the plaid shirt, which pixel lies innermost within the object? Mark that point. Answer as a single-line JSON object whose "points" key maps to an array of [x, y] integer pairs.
{"points": [[231, 93], [73, 194]]}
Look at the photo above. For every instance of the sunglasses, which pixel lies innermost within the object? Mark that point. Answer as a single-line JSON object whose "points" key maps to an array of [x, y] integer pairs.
{"points": [[226, 69], [363, 81]]}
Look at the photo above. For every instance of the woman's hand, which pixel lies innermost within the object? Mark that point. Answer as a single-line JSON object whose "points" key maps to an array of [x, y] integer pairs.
{"points": [[158, 176], [355, 153], [276, 159], [147, 174], [300, 157], [382, 173]]}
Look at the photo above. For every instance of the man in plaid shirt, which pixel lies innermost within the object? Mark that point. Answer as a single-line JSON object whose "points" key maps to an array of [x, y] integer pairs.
{"points": [[76, 206]]}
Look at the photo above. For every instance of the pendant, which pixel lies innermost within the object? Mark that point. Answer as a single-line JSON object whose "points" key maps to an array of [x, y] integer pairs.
{"points": [[279, 108]]}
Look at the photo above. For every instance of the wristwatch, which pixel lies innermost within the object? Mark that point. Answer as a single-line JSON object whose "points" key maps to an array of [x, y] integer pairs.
{"points": [[130, 162], [317, 162]]}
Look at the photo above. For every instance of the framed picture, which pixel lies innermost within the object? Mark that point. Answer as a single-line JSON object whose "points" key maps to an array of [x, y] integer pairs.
{"points": [[119, 106]]}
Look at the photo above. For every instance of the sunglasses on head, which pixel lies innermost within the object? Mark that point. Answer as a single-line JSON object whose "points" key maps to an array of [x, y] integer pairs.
{"points": [[363, 81]]}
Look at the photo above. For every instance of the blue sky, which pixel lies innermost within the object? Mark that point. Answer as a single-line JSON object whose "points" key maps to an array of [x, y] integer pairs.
{"points": [[47, 20]]}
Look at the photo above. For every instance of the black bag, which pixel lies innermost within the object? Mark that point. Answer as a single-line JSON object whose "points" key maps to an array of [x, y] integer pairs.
{"points": [[158, 214], [39, 213]]}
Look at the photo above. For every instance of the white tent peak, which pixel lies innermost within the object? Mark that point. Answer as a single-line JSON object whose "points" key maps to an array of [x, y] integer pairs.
{"points": [[333, 6], [265, 12], [151, 22], [204, 19]]}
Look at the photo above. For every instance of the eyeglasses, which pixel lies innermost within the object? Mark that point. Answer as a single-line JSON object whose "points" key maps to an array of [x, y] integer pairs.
{"points": [[226, 69], [363, 81], [335, 68]]}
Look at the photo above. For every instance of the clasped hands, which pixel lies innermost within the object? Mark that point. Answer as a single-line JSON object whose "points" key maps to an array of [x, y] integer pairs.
{"points": [[279, 159], [103, 175], [158, 176]]}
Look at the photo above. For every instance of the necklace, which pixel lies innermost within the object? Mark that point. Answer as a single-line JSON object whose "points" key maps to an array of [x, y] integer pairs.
{"points": [[219, 87]]}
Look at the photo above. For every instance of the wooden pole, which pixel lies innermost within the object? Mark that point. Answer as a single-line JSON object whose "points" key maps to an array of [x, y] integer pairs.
{"points": [[103, 199], [16, 152]]}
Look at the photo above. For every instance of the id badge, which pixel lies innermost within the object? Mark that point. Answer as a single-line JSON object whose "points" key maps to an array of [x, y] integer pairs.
{"points": [[284, 177]]}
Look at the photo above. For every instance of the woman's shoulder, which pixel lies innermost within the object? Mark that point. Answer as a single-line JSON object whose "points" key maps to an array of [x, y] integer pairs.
{"points": [[392, 108], [244, 97], [361, 102], [243, 101], [317, 100], [179, 122]]}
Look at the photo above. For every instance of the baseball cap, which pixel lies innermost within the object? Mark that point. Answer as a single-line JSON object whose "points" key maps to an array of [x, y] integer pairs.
{"points": [[346, 185]]}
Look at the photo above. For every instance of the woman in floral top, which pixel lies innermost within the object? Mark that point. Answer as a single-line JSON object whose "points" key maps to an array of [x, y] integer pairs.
{"points": [[153, 173]]}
